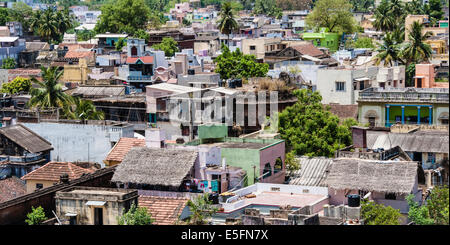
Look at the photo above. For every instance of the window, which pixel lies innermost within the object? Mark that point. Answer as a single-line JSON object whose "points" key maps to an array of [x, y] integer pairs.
{"points": [[340, 86], [267, 172], [252, 47], [278, 165], [390, 196], [39, 186], [431, 157]]}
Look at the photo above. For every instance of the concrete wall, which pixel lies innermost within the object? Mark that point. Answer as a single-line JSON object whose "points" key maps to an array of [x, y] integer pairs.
{"points": [[80, 142], [243, 158], [270, 155], [326, 85], [31, 184]]}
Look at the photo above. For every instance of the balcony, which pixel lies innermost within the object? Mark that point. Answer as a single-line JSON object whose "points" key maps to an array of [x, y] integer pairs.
{"points": [[29, 158], [421, 95], [139, 78]]}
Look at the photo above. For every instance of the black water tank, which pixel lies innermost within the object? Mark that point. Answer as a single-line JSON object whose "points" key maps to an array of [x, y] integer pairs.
{"points": [[191, 72], [231, 84], [214, 197], [353, 200], [238, 82]]}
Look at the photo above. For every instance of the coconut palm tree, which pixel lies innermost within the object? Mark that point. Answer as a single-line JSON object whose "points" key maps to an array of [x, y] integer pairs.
{"points": [[48, 25], [416, 50], [49, 94], [227, 23], [415, 7], [83, 109], [389, 52], [397, 9], [384, 20], [201, 209]]}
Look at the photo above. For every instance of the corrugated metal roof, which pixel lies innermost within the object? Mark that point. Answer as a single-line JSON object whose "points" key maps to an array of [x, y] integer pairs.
{"points": [[313, 171], [177, 89], [88, 91], [437, 143], [26, 138]]}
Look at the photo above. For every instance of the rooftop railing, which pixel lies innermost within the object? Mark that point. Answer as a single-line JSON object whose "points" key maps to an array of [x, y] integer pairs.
{"points": [[408, 94]]}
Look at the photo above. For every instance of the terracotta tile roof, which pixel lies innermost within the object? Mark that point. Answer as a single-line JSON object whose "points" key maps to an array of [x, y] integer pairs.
{"points": [[53, 170], [122, 147], [79, 54], [11, 188], [164, 210], [144, 59], [308, 49], [76, 46]]}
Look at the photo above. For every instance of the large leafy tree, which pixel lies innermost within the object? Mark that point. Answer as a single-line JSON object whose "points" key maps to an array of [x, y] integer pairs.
{"points": [[201, 209], [9, 63], [135, 216], [378, 214], [127, 16], [311, 130], [416, 49], [227, 23], [168, 45], [4, 16], [362, 5], [19, 84], [267, 7], [51, 24], [294, 4], [335, 15], [389, 52], [434, 212], [36, 216], [49, 94], [22, 13], [237, 65]]}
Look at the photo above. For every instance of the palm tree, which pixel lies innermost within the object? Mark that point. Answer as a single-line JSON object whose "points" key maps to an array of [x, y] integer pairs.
{"points": [[415, 7], [83, 109], [227, 23], [201, 209], [48, 25], [416, 50], [389, 52], [384, 20], [397, 9], [49, 94]]}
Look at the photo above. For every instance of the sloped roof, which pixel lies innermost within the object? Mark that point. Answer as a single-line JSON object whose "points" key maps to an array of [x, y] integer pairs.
{"points": [[308, 49], [144, 59], [155, 166], [11, 188], [372, 175], [99, 91], [122, 147], [26, 138], [52, 171], [79, 54], [414, 142], [164, 210], [313, 171]]}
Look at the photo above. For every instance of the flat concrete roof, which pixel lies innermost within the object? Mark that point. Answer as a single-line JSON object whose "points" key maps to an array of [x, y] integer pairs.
{"points": [[283, 199]]}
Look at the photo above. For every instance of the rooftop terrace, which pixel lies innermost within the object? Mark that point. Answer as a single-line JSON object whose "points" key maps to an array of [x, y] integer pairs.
{"points": [[430, 95]]}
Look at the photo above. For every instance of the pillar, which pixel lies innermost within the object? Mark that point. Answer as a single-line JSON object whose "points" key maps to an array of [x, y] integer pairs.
{"points": [[387, 116], [430, 117], [403, 114], [418, 115]]}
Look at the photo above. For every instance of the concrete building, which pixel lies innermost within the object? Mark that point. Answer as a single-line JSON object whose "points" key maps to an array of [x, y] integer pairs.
{"points": [[259, 46], [323, 39], [93, 206], [342, 85], [425, 77], [384, 107], [10, 47]]}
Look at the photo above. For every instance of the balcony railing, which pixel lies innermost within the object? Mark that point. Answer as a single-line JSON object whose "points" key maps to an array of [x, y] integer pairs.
{"points": [[22, 159], [427, 95], [139, 78]]}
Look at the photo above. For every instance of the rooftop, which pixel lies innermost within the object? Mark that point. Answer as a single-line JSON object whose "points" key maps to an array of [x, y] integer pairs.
{"points": [[436, 95], [122, 147], [11, 188], [26, 138], [165, 210], [313, 171], [52, 171]]}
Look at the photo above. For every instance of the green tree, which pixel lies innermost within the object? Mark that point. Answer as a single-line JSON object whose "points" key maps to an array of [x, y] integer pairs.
{"points": [[291, 163], [362, 5], [135, 216], [389, 52], [9, 63], [416, 49], [4, 16], [168, 45], [434, 10], [127, 16], [415, 7], [36, 216], [311, 130], [384, 21], [434, 212], [82, 110], [237, 65], [19, 84], [227, 23], [267, 7], [378, 214], [120, 44], [49, 94], [364, 42], [201, 209], [335, 15], [47, 25], [410, 72], [22, 13], [294, 4]]}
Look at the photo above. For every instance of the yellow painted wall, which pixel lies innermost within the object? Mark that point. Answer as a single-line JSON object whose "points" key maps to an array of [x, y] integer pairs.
{"points": [[31, 184]]}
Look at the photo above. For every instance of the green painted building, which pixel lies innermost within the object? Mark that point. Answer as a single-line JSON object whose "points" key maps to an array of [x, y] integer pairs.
{"points": [[323, 39]]}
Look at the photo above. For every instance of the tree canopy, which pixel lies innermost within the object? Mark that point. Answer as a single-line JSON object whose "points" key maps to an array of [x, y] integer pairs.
{"points": [[36, 216], [311, 130], [127, 16], [267, 7], [335, 15], [9, 63], [19, 84], [434, 212], [168, 45], [237, 65], [201, 209], [136, 216], [378, 214]]}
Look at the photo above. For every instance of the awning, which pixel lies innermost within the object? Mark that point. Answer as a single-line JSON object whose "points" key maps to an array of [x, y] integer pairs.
{"points": [[362, 79], [95, 203], [71, 214], [418, 77]]}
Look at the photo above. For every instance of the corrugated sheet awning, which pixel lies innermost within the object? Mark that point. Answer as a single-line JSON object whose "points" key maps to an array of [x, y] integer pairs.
{"points": [[362, 79], [95, 203]]}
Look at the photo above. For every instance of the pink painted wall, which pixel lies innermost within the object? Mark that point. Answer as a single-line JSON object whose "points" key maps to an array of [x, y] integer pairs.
{"points": [[270, 155], [426, 70]]}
